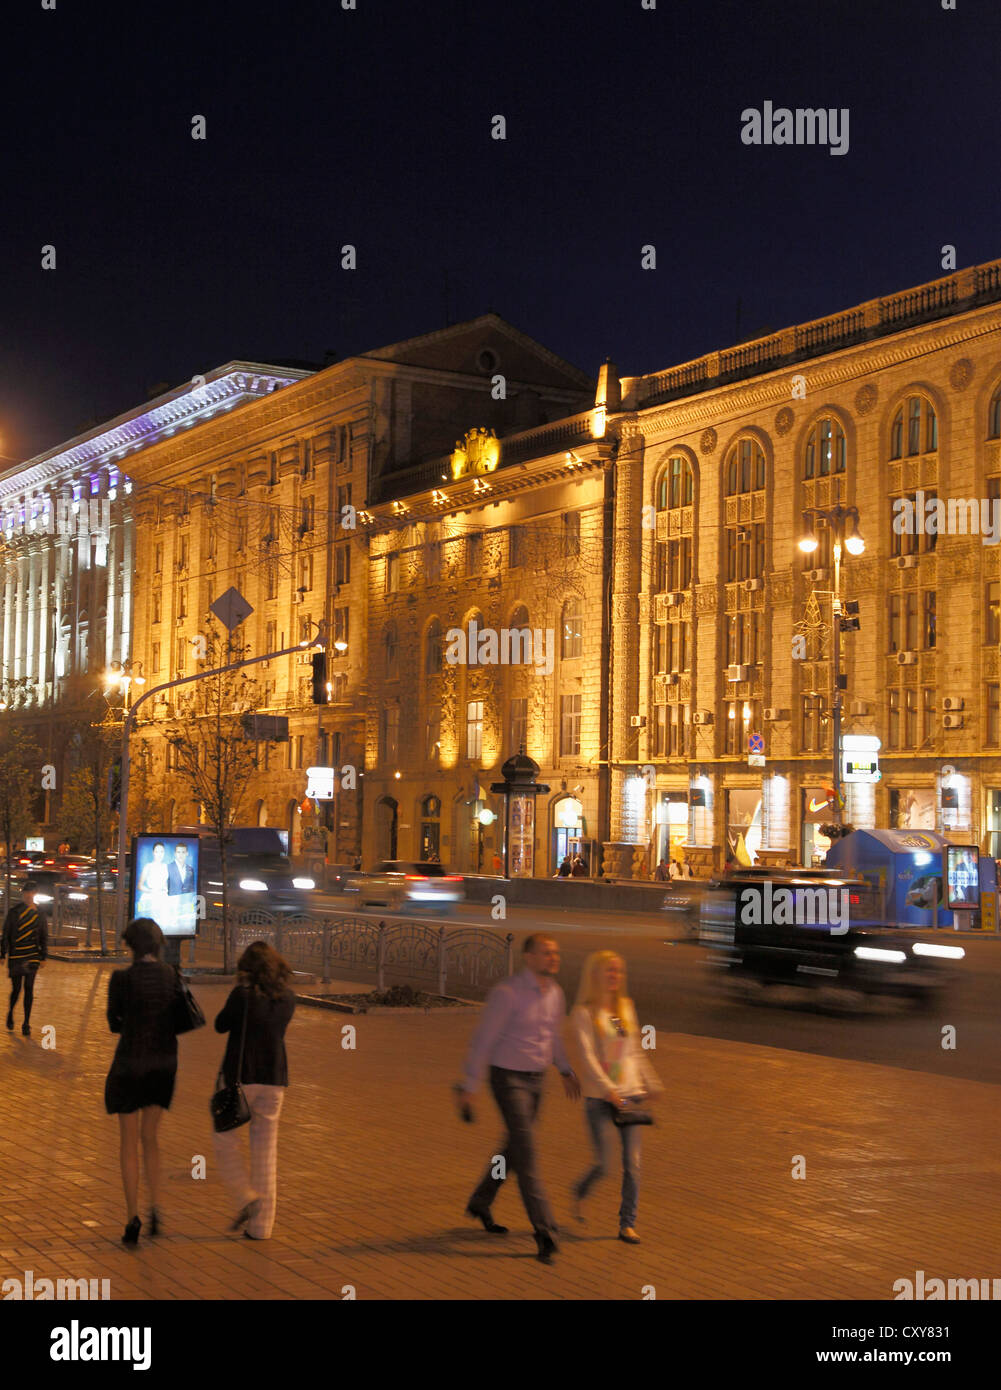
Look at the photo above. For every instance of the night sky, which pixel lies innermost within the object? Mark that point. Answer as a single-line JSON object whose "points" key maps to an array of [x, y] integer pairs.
{"points": [[373, 127]]}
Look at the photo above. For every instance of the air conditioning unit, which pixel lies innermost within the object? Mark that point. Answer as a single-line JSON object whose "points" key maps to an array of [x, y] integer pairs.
{"points": [[907, 562], [859, 708], [952, 721], [637, 721], [674, 600], [952, 702], [772, 714], [907, 658], [702, 717], [738, 673], [752, 586], [815, 576]]}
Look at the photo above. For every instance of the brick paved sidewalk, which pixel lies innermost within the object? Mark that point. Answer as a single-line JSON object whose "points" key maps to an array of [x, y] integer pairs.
{"points": [[375, 1170]]}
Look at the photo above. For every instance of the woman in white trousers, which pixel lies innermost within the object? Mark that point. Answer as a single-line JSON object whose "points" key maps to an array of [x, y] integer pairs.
{"points": [[262, 1003]]}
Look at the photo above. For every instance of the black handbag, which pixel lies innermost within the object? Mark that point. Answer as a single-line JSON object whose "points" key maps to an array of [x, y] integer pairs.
{"points": [[632, 1115], [229, 1105], [187, 1011]]}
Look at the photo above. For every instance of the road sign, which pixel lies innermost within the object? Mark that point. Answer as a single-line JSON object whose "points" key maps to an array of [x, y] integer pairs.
{"points": [[756, 743], [231, 608]]}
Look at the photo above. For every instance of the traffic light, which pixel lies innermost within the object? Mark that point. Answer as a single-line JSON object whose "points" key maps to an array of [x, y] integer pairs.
{"points": [[319, 678], [850, 621]]}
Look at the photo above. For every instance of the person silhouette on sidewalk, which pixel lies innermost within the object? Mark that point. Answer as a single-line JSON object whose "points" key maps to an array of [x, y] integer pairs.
{"points": [[25, 944], [518, 1037]]}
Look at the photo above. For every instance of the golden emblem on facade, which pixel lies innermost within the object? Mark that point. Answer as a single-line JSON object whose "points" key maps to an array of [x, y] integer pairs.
{"points": [[479, 452]]}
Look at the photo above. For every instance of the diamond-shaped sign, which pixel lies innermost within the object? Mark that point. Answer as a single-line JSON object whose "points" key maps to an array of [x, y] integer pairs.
{"points": [[231, 608]]}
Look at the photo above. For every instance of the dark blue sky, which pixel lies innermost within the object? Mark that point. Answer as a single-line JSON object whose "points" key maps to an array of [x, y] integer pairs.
{"points": [[372, 126]]}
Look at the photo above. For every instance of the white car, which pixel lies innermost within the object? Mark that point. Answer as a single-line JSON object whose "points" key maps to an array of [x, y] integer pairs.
{"points": [[398, 882]]}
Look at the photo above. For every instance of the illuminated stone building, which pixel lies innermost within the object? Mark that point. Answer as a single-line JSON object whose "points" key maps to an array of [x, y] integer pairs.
{"points": [[68, 554], [273, 501], [723, 626], [705, 633]]}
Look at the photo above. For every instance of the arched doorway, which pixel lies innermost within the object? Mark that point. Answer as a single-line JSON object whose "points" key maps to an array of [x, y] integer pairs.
{"points": [[262, 813], [387, 815], [568, 829]]}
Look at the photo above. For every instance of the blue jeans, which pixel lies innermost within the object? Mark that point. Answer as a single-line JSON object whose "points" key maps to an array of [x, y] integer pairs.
{"points": [[601, 1127]]}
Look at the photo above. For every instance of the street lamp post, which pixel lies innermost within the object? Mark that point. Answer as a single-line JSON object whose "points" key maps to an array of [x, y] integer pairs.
{"points": [[843, 524]]}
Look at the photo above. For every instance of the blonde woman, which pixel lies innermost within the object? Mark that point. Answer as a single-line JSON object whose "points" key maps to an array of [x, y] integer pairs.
{"points": [[614, 1074]]}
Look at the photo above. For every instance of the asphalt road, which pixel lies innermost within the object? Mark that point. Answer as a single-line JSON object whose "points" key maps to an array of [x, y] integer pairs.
{"points": [[677, 988]]}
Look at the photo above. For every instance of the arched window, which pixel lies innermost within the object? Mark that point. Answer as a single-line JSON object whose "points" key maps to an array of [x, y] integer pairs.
{"points": [[519, 618], [572, 628], [391, 649], [745, 468], [676, 487], [826, 451], [914, 429], [994, 416], [432, 648]]}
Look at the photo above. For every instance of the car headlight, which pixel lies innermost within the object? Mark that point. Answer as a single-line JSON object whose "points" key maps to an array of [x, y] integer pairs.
{"points": [[77, 897], [303, 883], [874, 953], [42, 898], [253, 885], [921, 948]]}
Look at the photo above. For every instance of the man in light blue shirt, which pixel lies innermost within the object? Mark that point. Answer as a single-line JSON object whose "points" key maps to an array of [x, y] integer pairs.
{"points": [[518, 1037]]}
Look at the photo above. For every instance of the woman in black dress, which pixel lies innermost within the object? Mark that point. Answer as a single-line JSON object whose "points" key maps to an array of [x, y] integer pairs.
{"points": [[142, 1002]]}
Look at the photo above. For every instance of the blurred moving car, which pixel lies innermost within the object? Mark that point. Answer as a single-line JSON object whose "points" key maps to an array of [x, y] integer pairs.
{"points": [[395, 882], [814, 929], [271, 885], [343, 878]]}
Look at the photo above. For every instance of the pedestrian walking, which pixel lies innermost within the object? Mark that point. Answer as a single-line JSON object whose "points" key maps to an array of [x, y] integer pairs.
{"points": [[25, 943], [616, 1077], [675, 869], [142, 1008], [662, 872], [255, 1016], [518, 1037]]}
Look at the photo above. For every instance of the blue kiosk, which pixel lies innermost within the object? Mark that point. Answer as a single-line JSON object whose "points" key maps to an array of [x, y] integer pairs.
{"points": [[904, 869]]}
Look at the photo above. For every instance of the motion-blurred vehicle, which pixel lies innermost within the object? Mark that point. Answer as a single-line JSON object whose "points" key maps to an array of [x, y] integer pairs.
{"points": [[343, 878], [394, 883], [813, 929], [258, 873]]}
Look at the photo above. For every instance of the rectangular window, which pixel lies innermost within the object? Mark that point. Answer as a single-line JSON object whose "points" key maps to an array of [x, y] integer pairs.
{"points": [[271, 579], [474, 729], [474, 553], [660, 731], [342, 564], [660, 644], [306, 515], [305, 624], [157, 601], [306, 572], [930, 627], [271, 637], [677, 647], [518, 725], [731, 555], [910, 718], [391, 733], [894, 629], [992, 613], [392, 573], [158, 559], [182, 656], [659, 568], [569, 726], [344, 508], [182, 553], [893, 722], [676, 731], [182, 602], [432, 736], [571, 533], [911, 621], [993, 715], [927, 715], [156, 658], [432, 561]]}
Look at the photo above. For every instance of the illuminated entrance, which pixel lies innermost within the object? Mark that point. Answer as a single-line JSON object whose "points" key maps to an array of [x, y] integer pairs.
{"points": [[568, 829]]}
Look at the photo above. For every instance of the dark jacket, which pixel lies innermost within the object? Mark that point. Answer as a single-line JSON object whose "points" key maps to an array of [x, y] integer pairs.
{"points": [[141, 1005], [24, 938], [264, 1059]]}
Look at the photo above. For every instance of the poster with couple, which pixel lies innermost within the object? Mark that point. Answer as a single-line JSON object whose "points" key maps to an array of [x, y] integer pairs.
{"points": [[165, 882]]}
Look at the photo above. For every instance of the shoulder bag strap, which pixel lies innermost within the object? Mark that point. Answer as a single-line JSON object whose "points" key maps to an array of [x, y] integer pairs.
{"points": [[243, 1039]]}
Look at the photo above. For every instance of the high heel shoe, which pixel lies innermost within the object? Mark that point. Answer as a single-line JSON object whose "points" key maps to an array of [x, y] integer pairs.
{"points": [[130, 1235], [154, 1222]]}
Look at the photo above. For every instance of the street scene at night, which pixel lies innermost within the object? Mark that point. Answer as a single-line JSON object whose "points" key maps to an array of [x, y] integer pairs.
{"points": [[500, 672]]}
